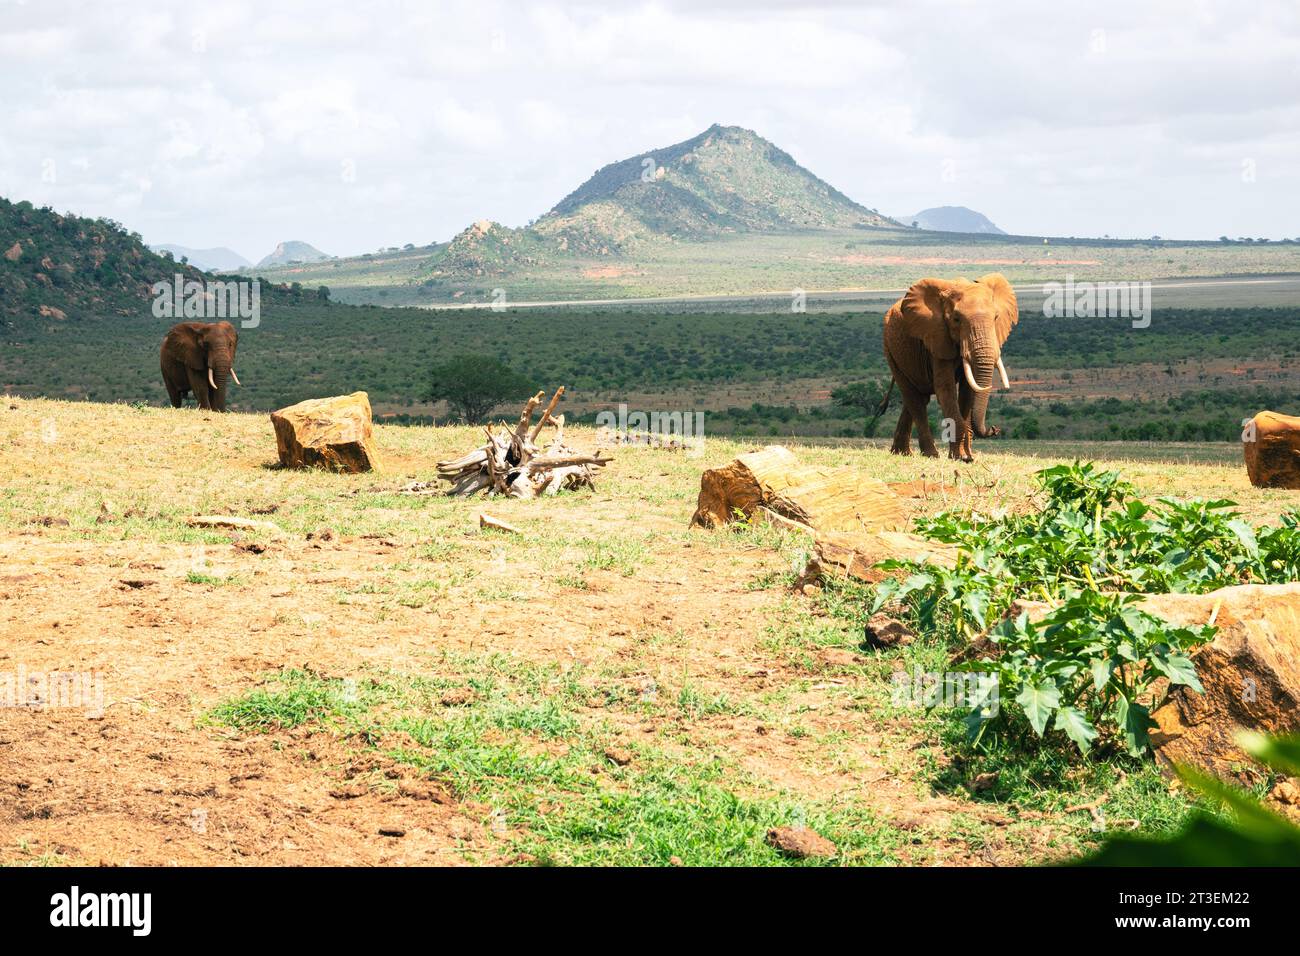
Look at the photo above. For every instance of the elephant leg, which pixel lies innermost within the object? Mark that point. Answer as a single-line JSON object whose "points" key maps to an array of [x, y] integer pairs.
{"points": [[199, 386], [955, 425], [924, 437], [914, 408], [903, 434], [173, 393]]}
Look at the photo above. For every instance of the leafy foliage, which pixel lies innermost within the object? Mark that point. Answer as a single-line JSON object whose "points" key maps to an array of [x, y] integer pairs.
{"points": [[1089, 664], [474, 385]]}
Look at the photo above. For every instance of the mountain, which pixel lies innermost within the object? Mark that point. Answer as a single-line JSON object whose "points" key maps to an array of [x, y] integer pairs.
{"points": [[292, 251], [953, 219], [725, 181], [219, 259]]}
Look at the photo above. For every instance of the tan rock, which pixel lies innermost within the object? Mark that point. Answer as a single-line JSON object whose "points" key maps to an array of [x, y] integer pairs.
{"points": [[839, 499], [1250, 671], [14, 252], [800, 842], [333, 433], [855, 555], [50, 312], [1271, 445]]}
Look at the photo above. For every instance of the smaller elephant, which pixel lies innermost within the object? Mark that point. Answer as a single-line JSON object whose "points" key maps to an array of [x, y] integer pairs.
{"points": [[198, 357]]}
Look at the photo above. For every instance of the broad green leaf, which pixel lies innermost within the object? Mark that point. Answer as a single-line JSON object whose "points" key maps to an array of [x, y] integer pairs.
{"points": [[1038, 702], [1076, 727]]}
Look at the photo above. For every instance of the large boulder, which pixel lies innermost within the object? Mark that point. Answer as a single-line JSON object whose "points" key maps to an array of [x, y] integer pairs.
{"points": [[823, 499], [1250, 671], [840, 554], [333, 433], [1271, 444]]}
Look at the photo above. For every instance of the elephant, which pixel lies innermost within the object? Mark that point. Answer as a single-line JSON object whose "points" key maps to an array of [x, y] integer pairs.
{"points": [[196, 357], [944, 338]]}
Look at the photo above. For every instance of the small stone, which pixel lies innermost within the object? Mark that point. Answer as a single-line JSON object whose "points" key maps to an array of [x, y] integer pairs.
{"points": [[457, 697], [618, 755], [883, 632], [392, 830], [800, 842], [1286, 791], [983, 781]]}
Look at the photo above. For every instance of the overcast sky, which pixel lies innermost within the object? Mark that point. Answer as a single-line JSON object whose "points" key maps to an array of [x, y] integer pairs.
{"points": [[357, 125]]}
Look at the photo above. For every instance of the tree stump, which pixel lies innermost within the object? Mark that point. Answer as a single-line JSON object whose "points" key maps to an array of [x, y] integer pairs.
{"points": [[841, 499]]}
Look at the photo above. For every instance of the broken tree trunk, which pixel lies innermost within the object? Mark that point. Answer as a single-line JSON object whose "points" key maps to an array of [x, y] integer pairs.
{"points": [[512, 464], [839, 499]]}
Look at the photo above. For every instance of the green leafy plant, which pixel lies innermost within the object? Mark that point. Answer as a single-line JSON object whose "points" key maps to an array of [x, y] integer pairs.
{"points": [[1087, 669]]}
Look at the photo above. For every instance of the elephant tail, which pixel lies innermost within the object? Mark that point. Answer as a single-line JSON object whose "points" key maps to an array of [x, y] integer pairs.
{"points": [[884, 402]]}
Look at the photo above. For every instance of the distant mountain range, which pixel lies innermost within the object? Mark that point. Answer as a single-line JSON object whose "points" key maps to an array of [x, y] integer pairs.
{"points": [[219, 259], [292, 251], [953, 219]]}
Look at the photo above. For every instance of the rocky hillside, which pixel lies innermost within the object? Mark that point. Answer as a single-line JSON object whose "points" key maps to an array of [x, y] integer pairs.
{"points": [[292, 251], [725, 180], [63, 266]]}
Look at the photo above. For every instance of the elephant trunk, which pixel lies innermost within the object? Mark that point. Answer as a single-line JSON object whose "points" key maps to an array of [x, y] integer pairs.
{"points": [[219, 367], [982, 358]]}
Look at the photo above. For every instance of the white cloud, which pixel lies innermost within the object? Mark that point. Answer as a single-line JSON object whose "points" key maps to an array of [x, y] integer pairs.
{"points": [[354, 127]]}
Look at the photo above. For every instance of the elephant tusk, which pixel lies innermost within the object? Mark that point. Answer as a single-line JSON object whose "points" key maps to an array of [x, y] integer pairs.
{"points": [[210, 380], [970, 378], [1002, 370], [238, 382]]}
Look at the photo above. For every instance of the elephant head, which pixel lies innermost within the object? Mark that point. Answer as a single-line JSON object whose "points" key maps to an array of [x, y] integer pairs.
{"points": [[970, 321], [212, 348]]}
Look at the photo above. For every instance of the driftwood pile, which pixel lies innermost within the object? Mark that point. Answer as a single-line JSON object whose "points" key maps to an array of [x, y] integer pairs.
{"points": [[512, 464]]}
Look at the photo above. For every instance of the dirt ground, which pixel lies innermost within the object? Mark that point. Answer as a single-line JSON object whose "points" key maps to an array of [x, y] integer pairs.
{"points": [[99, 573]]}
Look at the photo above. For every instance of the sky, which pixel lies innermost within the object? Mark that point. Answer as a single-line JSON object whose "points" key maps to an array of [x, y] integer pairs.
{"points": [[355, 126]]}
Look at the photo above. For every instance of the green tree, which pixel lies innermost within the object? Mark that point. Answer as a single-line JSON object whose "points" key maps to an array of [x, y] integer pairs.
{"points": [[872, 397], [473, 385]]}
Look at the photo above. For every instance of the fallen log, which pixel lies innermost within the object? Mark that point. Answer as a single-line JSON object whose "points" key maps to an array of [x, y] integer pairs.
{"points": [[511, 463]]}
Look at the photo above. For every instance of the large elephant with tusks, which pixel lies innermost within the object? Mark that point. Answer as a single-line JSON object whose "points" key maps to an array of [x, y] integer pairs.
{"points": [[945, 338], [198, 358]]}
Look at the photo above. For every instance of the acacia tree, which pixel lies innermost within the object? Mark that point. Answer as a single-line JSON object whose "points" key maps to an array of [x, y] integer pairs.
{"points": [[473, 385], [873, 397]]}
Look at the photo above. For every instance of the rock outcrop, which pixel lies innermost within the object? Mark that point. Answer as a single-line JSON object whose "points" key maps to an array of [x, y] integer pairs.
{"points": [[1271, 445], [823, 499], [333, 433]]}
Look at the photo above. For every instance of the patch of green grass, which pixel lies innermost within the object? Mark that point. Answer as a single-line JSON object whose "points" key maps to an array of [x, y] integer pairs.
{"points": [[292, 698]]}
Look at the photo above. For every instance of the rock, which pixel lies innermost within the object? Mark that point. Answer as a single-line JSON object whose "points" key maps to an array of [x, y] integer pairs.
{"points": [[333, 433], [457, 697], [1286, 791], [840, 499], [883, 632], [14, 252], [50, 312], [800, 842], [1250, 671], [1271, 445], [619, 756], [392, 830], [854, 555]]}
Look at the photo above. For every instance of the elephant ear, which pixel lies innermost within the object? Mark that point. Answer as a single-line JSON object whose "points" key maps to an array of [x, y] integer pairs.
{"points": [[1004, 297], [927, 306], [192, 350]]}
